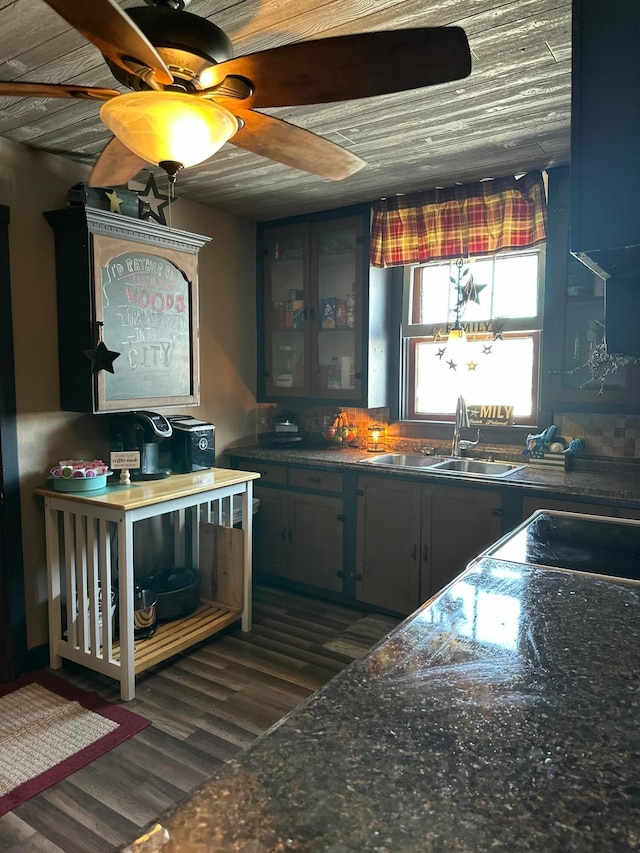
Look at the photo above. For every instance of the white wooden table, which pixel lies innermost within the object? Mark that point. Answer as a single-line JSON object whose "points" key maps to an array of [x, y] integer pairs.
{"points": [[87, 532]]}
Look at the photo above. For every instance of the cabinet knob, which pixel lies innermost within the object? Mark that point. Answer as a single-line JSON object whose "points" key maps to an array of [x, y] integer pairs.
{"points": [[290, 535], [414, 552], [497, 511], [283, 534], [425, 553]]}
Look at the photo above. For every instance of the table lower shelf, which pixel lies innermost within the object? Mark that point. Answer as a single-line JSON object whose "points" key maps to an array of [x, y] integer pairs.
{"points": [[176, 636]]}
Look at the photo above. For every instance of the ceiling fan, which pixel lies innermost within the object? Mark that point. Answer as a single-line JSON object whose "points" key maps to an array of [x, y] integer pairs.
{"points": [[176, 62]]}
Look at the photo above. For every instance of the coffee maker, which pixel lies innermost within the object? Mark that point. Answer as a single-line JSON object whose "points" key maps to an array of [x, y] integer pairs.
{"points": [[142, 431]]}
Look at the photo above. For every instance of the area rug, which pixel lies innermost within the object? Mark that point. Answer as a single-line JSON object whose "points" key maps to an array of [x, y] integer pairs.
{"points": [[50, 728]]}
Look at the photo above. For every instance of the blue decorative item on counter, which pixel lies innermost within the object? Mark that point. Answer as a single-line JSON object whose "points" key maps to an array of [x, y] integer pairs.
{"points": [[577, 445]]}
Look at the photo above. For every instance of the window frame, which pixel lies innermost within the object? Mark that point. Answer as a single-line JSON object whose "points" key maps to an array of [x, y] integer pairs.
{"points": [[412, 332]]}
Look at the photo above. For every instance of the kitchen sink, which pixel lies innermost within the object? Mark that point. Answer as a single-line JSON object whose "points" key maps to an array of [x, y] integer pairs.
{"points": [[478, 467], [404, 460], [443, 465]]}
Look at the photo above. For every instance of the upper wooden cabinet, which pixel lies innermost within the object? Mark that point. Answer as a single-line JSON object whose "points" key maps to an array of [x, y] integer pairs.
{"points": [[127, 312], [573, 324], [323, 313]]}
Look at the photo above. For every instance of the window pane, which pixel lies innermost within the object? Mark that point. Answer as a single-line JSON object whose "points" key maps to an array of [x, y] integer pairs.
{"points": [[515, 290], [485, 372], [434, 293]]}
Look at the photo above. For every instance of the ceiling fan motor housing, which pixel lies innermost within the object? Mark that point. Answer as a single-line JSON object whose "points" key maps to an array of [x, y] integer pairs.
{"points": [[187, 43]]}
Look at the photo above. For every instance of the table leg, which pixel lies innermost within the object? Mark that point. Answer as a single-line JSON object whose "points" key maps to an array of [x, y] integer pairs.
{"points": [[126, 594], [247, 528]]}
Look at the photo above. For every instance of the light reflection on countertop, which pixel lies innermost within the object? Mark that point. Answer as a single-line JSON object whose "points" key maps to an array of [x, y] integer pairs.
{"points": [[500, 716]]}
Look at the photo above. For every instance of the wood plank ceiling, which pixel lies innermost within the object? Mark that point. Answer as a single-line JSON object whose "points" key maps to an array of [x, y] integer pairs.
{"points": [[510, 116]]}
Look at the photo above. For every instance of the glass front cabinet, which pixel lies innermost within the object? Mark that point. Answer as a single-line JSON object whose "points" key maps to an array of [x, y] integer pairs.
{"points": [[322, 312], [574, 326]]}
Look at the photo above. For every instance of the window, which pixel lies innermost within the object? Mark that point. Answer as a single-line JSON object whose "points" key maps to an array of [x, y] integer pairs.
{"points": [[497, 301]]}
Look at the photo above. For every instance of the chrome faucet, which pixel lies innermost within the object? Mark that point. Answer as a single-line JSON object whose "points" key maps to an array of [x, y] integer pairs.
{"points": [[462, 422]]}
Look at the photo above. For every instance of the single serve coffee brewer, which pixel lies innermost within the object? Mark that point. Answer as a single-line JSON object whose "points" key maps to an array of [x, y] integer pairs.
{"points": [[142, 431]]}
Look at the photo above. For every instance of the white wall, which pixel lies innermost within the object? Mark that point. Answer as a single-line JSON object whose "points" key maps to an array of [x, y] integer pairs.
{"points": [[31, 183]]}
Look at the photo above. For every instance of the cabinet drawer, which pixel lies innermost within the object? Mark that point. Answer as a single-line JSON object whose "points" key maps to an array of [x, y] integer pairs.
{"points": [[276, 474], [313, 478]]}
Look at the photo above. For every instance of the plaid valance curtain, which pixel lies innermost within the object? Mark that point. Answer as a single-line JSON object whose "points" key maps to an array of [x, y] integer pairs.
{"points": [[459, 221]]}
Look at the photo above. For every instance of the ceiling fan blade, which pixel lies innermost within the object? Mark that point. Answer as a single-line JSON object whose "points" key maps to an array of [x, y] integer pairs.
{"points": [[348, 67], [106, 25], [285, 143], [51, 90], [115, 166]]}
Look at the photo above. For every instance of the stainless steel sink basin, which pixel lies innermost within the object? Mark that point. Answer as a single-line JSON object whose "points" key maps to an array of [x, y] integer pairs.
{"points": [[478, 467], [443, 465], [404, 460]]}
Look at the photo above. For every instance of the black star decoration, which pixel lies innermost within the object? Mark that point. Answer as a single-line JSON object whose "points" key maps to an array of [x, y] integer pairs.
{"points": [[470, 292], [452, 364], [101, 358], [441, 352], [151, 203], [486, 349], [498, 326]]}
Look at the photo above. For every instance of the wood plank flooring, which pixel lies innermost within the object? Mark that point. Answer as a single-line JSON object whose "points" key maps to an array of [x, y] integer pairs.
{"points": [[205, 705]]}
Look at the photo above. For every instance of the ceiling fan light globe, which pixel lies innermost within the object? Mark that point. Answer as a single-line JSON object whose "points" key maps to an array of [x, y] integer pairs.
{"points": [[159, 126]]}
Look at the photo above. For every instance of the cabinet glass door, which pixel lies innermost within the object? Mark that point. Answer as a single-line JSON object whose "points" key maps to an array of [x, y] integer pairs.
{"points": [[584, 329], [337, 264], [286, 334]]}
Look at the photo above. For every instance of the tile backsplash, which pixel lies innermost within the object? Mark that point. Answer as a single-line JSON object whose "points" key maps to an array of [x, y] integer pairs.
{"points": [[604, 435], [616, 436]]}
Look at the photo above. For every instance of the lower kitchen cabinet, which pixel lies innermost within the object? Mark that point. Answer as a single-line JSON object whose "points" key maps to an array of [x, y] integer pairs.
{"points": [[299, 537], [412, 539]]}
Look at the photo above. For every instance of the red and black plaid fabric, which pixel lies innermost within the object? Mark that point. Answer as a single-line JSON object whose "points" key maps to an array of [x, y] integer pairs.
{"points": [[459, 221]]}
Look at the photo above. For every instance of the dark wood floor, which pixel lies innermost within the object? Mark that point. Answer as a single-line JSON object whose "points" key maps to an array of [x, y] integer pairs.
{"points": [[205, 706]]}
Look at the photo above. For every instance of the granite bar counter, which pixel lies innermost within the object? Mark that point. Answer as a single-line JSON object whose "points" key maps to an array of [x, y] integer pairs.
{"points": [[502, 715]]}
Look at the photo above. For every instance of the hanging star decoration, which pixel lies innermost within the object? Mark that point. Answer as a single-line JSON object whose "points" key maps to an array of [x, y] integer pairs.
{"points": [[452, 364], [101, 358], [474, 412], [471, 365], [486, 349], [151, 202], [115, 201], [470, 291], [441, 352]]}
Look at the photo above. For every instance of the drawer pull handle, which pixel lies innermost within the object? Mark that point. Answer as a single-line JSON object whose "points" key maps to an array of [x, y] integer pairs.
{"points": [[283, 534], [414, 552], [315, 479], [425, 553]]}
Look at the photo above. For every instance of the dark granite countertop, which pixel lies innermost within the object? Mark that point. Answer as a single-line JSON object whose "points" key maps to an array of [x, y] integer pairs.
{"points": [[617, 482], [502, 715]]}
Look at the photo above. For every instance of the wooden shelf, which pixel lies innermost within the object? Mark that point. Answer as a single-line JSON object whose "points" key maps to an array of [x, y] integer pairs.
{"points": [[178, 635]]}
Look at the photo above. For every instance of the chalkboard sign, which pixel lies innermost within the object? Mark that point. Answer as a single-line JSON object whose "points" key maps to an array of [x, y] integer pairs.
{"points": [[146, 302], [146, 310]]}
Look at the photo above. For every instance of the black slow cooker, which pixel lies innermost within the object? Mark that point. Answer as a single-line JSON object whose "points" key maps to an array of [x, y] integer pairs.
{"points": [[178, 591]]}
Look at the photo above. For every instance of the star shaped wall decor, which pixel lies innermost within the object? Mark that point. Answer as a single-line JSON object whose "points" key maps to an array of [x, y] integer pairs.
{"points": [[152, 203], [441, 352], [114, 201], [486, 349], [101, 358], [471, 365], [452, 364]]}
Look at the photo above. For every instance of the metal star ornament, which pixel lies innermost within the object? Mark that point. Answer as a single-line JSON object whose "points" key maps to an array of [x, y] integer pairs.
{"points": [[101, 358], [471, 365], [441, 352], [452, 364], [486, 349], [115, 201], [470, 291], [152, 203]]}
